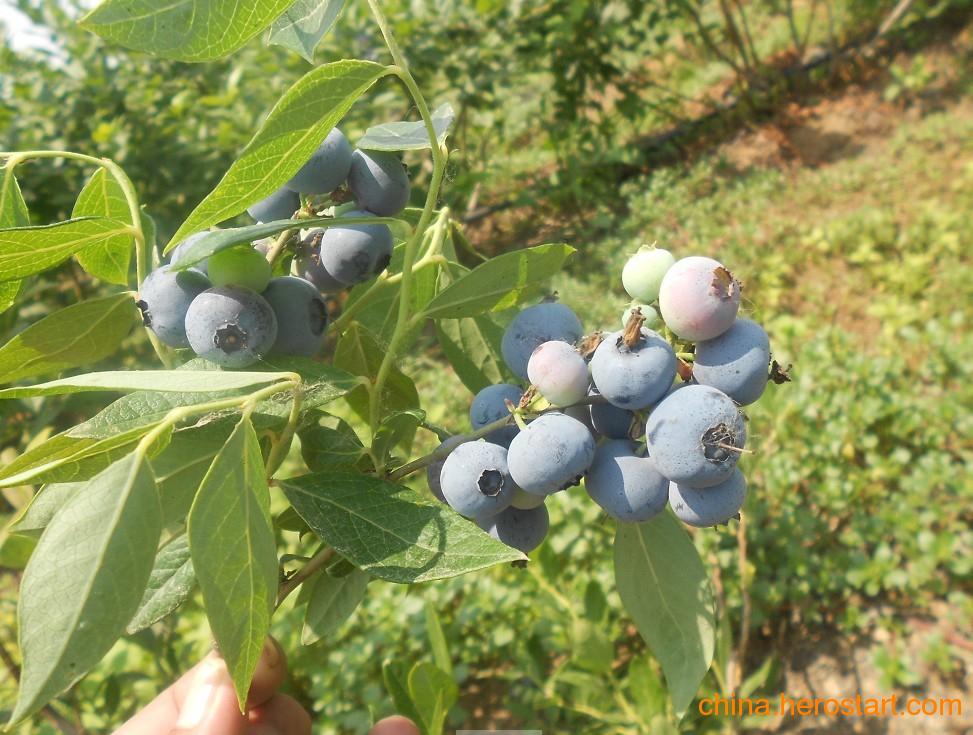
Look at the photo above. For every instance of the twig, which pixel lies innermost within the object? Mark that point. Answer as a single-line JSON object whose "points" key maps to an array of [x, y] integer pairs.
{"points": [[294, 581]]}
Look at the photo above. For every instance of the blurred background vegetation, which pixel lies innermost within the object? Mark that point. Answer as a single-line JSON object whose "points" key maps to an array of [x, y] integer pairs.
{"points": [[822, 149]]}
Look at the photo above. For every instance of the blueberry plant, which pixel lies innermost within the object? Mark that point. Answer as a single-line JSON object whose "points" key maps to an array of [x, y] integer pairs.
{"points": [[168, 488]]}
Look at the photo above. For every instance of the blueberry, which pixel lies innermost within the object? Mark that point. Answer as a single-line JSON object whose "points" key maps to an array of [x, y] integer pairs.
{"points": [[628, 487], [525, 500], [181, 248], [644, 271], [489, 406], [581, 413], [326, 169], [699, 298], [522, 529], [649, 313], [534, 326], [379, 182], [633, 376], [231, 326], [302, 316], [550, 454], [559, 373], [348, 254], [709, 506], [280, 205], [475, 480], [241, 265], [164, 299], [610, 421], [737, 362], [434, 470], [695, 435]]}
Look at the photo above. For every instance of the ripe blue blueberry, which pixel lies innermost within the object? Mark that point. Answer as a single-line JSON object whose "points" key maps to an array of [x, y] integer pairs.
{"points": [[164, 299], [633, 376], [326, 169], [628, 487], [489, 405], [231, 326], [558, 372], [644, 271], [534, 326], [434, 470], [737, 362], [348, 254], [379, 182], [695, 435], [522, 529], [709, 506], [475, 480], [302, 316], [280, 205], [552, 453], [699, 298], [610, 421]]}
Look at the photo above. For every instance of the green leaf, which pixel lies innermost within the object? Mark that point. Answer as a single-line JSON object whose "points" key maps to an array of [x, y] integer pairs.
{"points": [[85, 579], [592, 649], [216, 240], [665, 588], [169, 585], [433, 692], [103, 197], [391, 531], [396, 676], [80, 334], [42, 507], [234, 553], [185, 30], [63, 458], [304, 24], [28, 250], [324, 447], [472, 346], [300, 120], [408, 136], [332, 601], [647, 692], [180, 468], [499, 283], [13, 213], [360, 353], [201, 381], [437, 640], [397, 429]]}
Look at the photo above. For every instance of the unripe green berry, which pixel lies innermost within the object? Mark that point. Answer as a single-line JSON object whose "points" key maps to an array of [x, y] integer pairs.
{"points": [[642, 274], [240, 266]]}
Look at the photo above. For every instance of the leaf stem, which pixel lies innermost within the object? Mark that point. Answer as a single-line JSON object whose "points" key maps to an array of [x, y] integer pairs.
{"points": [[439, 156], [294, 581], [278, 452]]}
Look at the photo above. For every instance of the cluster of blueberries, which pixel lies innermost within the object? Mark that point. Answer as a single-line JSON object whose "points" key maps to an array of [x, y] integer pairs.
{"points": [[231, 310], [645, 421]]}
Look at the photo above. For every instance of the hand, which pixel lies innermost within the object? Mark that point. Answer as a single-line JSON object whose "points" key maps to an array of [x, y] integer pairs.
{"points": [[203, 702]]}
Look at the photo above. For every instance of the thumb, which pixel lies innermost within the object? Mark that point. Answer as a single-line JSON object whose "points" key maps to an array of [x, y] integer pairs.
{"points": [[210, 705]]}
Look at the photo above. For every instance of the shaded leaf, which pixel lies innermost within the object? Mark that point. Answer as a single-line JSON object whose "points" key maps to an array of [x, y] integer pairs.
{"points": [[665, 588], [437, 640], [42, 507], [13, 213], [185, 30], [234, 553], [332, 601], [85, 579], [433, 692], [324, 447], [407, 136], [391, 531], [300, 120], [472, 346], [396, 676], [498, 283], [77, 335], [103, 197], [170, 583], [304, 24]]}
